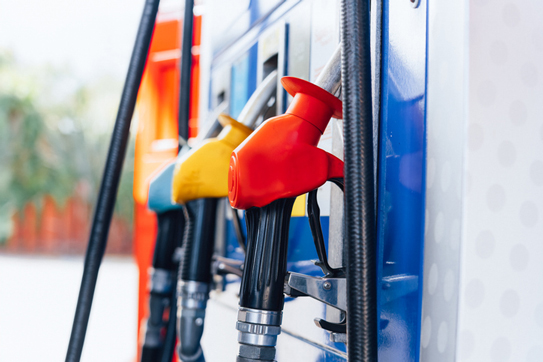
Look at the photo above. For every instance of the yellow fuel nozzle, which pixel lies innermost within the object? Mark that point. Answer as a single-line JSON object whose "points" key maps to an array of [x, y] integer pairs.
{"points": [[203, 171]]}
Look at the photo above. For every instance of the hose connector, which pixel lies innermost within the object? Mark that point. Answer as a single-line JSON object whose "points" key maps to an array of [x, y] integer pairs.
{"points": [[192, 295], [258, 331], [258, 327]]}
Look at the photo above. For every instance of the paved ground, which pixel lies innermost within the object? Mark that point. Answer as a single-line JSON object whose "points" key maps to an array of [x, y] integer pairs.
{"points": [[37, 304]]}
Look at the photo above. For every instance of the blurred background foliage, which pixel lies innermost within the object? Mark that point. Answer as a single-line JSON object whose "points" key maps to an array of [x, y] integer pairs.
{"points": [[54, 136]]}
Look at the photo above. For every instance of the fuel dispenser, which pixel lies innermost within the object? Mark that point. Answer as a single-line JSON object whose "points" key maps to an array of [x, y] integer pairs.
{"points": [[277, 163], [200, 179]]}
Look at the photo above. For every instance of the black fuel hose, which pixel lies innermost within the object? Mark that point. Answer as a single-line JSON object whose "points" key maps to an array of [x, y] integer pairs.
{"points": [[195, 276], [171, 226], [360, 236], [199, 240], [110, 181], [185, 69], [170, 339]]}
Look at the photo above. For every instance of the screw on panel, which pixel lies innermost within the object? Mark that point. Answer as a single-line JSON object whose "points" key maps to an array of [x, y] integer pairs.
{"points": [[327, 286]]}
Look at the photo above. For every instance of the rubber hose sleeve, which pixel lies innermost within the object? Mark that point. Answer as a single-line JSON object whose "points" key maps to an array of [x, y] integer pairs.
{"points": [[359, 182], [110, 181]]}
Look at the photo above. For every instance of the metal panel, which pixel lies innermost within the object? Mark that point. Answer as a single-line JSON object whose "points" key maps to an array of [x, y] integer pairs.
{"points": [[400, 212]]}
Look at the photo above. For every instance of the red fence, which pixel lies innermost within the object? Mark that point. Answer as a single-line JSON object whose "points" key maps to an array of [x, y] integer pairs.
{"points": [[54, 229]]}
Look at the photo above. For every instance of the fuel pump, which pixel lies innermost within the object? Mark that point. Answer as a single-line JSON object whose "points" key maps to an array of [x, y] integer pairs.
{"points": [[160, 337], [277, 163], [200, 179]]}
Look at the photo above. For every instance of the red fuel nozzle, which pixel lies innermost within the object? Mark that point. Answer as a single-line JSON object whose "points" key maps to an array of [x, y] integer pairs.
{"points": [[281, 159]]}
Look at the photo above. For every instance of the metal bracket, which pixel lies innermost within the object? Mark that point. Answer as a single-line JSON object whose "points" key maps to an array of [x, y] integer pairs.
{"points": [[338, 337], [332, 291]]}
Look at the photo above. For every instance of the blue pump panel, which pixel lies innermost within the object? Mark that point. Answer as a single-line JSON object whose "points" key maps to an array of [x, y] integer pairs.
{"points": [[401, 188]]}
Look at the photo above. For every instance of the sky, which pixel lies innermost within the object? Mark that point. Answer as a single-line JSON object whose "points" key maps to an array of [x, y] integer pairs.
{"points": [[90, 37]]}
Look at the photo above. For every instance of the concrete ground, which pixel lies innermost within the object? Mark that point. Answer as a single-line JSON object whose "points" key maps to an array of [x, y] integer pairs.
{"points": [[37, 304]]}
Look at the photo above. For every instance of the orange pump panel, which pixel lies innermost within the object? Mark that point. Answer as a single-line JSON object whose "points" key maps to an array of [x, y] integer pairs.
{"points": [[157, 134]]}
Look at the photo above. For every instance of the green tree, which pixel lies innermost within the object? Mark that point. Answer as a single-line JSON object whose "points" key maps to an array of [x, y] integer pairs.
{"points": [[48, 142]]}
